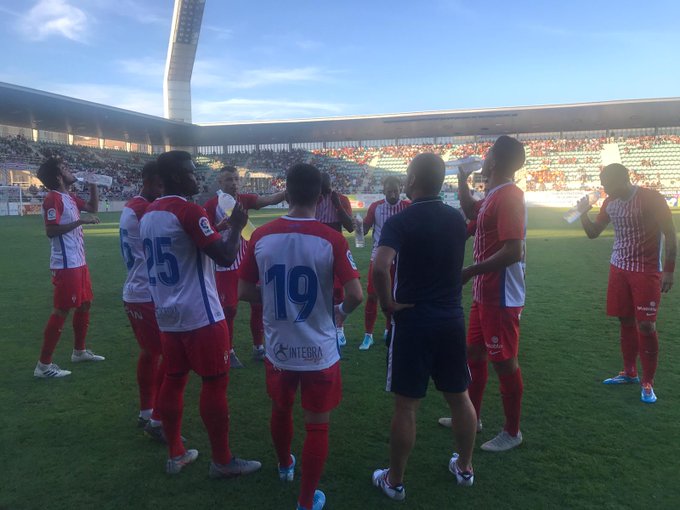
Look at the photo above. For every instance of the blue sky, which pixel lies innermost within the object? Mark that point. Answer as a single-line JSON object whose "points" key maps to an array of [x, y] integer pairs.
{"points": [[302, 58]]}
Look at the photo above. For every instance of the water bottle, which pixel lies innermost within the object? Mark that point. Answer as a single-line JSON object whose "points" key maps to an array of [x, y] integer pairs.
{"points": [[225, 204], [359, 240], [98, 179], [575, 213]]}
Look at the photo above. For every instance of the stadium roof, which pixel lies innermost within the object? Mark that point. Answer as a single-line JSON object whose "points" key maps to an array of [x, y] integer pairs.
{"points": [[24, 107]]}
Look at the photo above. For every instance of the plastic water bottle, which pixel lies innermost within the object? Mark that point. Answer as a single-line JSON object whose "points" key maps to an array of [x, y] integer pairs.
{"points": [[359, 240], [225, 204], [98, 179], [575, 213]]}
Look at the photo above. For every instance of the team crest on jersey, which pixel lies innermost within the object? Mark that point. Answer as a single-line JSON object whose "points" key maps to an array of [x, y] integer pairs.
{"points": [[204, 223], [351, 260], [51, 214]]}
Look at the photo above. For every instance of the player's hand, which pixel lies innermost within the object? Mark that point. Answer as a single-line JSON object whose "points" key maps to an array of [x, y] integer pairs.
{"points": [[335, 198], [467, 274], [238, 218], [223, 225], [89, 220], [393, 307], [666, 281], [584, 204]]}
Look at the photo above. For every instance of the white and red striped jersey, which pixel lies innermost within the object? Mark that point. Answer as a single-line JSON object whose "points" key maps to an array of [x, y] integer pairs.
{"points": [[248, 201], [181, 280], [378, 213], [136, 287], [327, 214], [502, 216], [296, 260], [67, 250], [638, 239]]}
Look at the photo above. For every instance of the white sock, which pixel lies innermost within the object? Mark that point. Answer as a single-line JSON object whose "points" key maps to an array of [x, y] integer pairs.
{"points": [[42, 366], [145, 413], [370, 335], [155, 423]]}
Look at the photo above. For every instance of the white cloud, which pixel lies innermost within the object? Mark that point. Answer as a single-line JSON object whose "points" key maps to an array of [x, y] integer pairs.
{"points": [[144, 67], [216, 74], [54, 18], [259, 109], [221, 34]]}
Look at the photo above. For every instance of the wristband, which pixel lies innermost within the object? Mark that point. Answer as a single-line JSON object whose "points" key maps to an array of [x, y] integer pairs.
{"points": [[669, 266]]}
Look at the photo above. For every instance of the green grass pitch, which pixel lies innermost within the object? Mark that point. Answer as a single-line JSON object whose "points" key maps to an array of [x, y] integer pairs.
{"points": [[73, 443]]}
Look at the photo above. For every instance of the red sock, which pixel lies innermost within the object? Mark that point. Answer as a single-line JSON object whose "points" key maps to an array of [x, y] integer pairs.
{"points": [[649, 356], [147, 367], [480, 374], [281, 427], [51, 337], [215, 415], [171, 404], [629, 348], [370, 314], [81, 321], [230, 316], [314, 453], [256, 324], [512, 387], [160, 377]]}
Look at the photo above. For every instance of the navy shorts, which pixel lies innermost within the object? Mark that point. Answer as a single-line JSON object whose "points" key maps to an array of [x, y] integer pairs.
{"points": [[424, 349]]}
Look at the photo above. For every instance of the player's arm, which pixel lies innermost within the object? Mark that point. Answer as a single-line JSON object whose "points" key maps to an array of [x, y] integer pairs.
{"points": [[384, 258], [345, 216], [224, 251], [671, 252], [467, 202], [57, 230], [593, 229], [353, 298], [369, 220], [92, 205], [264, 201], [510, 253]]}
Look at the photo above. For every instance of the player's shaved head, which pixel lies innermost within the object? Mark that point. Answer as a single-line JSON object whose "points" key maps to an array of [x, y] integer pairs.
{"points": [[150, 171], [303, 184], [508, 155], [392, 180], [49, 173], [615, 172], [426, 174], [176, 170]]}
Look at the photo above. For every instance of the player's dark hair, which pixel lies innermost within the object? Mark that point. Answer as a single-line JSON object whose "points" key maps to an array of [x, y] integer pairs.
{"points": [[509, 154], [303, 184], [392, 179], [170, 165], [616, 172], [428, 170], [228, 168], [149, 171], [49, 172]]}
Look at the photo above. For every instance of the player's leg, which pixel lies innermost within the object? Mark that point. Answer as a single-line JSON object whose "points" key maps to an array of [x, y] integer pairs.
{"points": [[370, 312], [501, 331], [281, 388], [338, 297], [227, 290], [477, 360], [464, 426], [81, 317], [207, 353], [620, 304], [64, 292], [647, 295], [321, 392], [147, 364], [257, 331]]}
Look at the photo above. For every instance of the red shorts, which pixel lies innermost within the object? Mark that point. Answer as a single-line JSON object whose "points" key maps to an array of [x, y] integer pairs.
{"points": [[203, 350], [321, 390], [630, 293], [142, 318], [72, 287], [370, 288], [497, 328], [227, 288]]}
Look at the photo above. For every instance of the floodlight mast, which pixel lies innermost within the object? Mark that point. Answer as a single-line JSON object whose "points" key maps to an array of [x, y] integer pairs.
{"points": [[184, 33]]}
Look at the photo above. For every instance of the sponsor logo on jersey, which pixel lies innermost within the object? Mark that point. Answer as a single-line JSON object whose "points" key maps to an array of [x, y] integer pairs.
{"points": [[313, 353], [204, 224], [51, 214], [351, 260]]}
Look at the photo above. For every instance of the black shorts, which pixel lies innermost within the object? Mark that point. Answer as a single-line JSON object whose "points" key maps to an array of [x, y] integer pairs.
{"points": [[421, 349]]}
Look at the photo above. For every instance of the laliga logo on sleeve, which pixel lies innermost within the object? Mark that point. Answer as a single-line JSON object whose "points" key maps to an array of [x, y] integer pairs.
{"points": [[52, 214], [351, 260], [204, 223]]}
